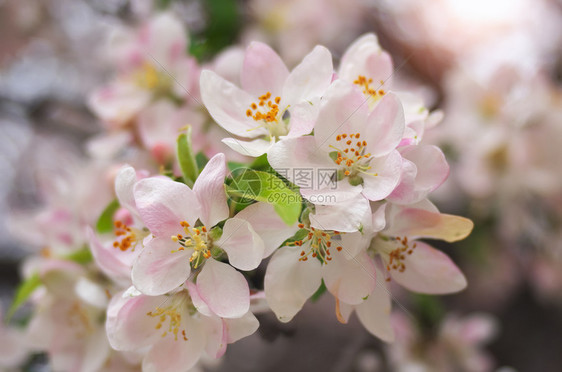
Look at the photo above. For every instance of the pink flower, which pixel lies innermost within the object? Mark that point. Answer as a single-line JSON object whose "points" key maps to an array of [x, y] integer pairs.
{"points": [[181, 221], [368, 66], [152, 64], [296, 271], [356, 146], [176, 329], [115, 256], [411, 263], [269, 91]]}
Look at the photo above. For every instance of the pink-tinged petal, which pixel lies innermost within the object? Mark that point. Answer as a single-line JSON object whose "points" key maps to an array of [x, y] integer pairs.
{"points": [[268, 225], [374, 313], [253, 148], [165, 38], [478, 328], [388, 171], [116, 104], [263, 71], [303, 118], [244, 247], [329, 195], [310, 78], [354, 243], [348, 216], [350, 279], [198, 302], [170, 355], [163, 204], [419, 223], [430, 271], [209, 188], [106, 146], [366, 58], [379, 217], [124, 183], [96, 352], [108, 259], [385, 126], [216, 336], [158, 270], [294, 154], [241, 327], [343, 110], [224, 289], [228, 105], [128, 326], [431, 170], [289, 282]]}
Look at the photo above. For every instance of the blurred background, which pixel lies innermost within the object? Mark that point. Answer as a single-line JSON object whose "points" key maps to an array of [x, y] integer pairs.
{"points": [[493, 67]]}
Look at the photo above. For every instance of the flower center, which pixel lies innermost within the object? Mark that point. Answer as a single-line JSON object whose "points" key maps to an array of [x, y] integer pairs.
{"points": [[79, 319], [394, 251], [196, 238], [173, 317], [316, 244], [127, 237], [148, 77], [352, 155], [268, 113], [368, 89]]}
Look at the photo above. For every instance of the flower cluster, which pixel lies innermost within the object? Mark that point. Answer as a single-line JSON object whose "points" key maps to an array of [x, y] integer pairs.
{"points": [[336, 199]]}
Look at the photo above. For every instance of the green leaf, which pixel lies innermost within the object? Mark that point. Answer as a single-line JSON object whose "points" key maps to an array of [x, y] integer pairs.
{"points": [[248, 185], [83, 256], [25, 289], [105, 221], [319, 292], [201, 159], [222, 28], [186, 158]]}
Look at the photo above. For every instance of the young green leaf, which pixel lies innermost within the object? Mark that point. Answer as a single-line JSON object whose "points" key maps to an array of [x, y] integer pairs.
{"points": [[248, 185], [25, 289], [105, 221], [186, 158]]}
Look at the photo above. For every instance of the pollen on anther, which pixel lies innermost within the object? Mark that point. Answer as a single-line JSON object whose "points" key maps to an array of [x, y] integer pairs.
{"points": [[301, 225]]}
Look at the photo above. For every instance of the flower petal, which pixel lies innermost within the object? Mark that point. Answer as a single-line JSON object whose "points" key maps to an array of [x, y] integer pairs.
{"points": [[289, 282], [209, 188], [170, 355], [244, 247], [347, 216], [343, 110], [431, 170], [158, 270], [263, 71], [253, 148], [310, 78], [241, 327], [385, 126], [228, 104], [419, 223], [127, 325], [350, 279], [374, 313], [430, 271], [163, 204], [224, 289], [366, 58], [388, 169], [268, 225], [112, 262]]}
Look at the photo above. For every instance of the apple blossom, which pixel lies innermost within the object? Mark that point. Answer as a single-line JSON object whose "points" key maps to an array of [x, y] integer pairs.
{"points": [[175, 329], [269, 91], [357, 146]]}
